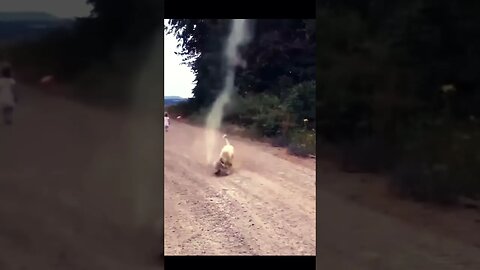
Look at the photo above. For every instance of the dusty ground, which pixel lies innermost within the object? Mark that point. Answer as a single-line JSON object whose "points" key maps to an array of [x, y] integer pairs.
{"points": [[371, 191], [266, 207], [381, 231], [79, 188]]}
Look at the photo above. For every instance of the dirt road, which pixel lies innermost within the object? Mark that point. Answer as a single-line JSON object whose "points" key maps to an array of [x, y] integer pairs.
{"points": [[267, 207], [79, 187], [354, 237]]}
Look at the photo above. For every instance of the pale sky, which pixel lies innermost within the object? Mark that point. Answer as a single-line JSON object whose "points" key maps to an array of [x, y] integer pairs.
{"points": [[59, 8], [178, 78]]}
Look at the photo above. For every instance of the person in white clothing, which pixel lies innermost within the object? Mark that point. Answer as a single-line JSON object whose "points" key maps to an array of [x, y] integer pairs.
{"points": [[166, 121], [7, 95]]}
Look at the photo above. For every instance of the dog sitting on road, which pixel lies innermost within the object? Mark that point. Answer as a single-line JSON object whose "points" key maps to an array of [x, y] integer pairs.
{"points": [[223, 166]]}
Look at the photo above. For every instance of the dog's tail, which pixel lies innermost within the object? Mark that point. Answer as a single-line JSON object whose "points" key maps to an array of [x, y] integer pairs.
{"points": [[226, 140]]}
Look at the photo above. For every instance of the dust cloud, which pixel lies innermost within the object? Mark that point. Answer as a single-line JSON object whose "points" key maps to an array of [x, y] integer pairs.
{"points": [[239, 35]]}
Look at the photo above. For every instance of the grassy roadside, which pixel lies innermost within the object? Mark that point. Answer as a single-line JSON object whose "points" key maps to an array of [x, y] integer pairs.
{"points": [[300, 143]]}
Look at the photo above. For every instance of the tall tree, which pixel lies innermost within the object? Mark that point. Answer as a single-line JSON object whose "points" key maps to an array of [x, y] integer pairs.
{"points": [[280, 55]]}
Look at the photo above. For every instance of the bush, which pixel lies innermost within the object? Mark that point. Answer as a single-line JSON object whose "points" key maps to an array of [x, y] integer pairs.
{"points": [[185, 109], [425, 182], [302, 143], [300, 103], [262, 112], [280, 141], [281, 119], [440, 165], [269, 113], [298, 150], [370, 154]]}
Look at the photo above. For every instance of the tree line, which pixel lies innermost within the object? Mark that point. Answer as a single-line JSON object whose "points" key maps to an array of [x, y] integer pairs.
{"points": [[275, 89], [392, 85], [100, 54], [398, 87]]}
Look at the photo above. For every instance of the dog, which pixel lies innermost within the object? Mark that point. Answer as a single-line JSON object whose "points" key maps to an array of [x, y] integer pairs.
{"points": [[224, 164]]}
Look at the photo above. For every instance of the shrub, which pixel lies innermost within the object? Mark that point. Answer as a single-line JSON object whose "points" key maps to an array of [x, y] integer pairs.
{"points": [[425, 182], [439, 165], [280, 118], [302, 143], [280, 141], [370, 154], [268, 113], [300, 103], [262, 112], [298, 150], [185, 109]]}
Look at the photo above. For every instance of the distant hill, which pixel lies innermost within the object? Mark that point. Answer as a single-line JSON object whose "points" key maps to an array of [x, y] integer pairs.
{"points": [[173, 97], [26, 16], [18, 26], [172, 100]]}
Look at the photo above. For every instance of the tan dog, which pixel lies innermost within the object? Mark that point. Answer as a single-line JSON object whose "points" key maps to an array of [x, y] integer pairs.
{"points": [[225, 162]]}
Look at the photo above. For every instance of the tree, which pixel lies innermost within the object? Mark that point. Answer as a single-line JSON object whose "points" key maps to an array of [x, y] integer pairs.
{"points": [[279, 56]]}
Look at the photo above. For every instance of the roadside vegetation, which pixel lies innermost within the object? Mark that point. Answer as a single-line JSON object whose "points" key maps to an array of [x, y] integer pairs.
{"points": [[393, 86], [399, 92], [101, 57], [276, 90]]}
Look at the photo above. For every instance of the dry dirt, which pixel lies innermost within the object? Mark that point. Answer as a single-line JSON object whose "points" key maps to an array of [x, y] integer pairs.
{"points": [[377, 230], [79, 187], [266, 207]]}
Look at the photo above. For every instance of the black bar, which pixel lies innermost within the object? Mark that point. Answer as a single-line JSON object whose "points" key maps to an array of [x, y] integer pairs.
{"points": [[248, 9], [240, 262]]}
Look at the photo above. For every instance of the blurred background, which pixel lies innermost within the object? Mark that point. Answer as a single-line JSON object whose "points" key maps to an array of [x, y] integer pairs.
{"points": [[81, 164]]}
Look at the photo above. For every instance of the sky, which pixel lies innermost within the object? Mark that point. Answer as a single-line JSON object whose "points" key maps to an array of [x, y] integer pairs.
{"points": [[178, 78], [59, 8]]}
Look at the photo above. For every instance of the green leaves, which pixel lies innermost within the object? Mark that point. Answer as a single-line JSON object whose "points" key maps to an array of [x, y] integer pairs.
{"points": [[279, 49]]}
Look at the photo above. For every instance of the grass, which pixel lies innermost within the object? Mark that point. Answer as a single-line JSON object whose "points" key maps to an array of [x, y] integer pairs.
{"points": [[298, 141]]}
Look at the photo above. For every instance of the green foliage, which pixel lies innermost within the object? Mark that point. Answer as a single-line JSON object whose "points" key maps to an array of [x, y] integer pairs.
{"points": [[280, 55], [188, 109], [287, 123], [269, 114], [263, 112], [184, 109], [382, 66], [300, 101], [101, 54], [368, 154], [440, 164], [302, 142], [275, 90]]}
